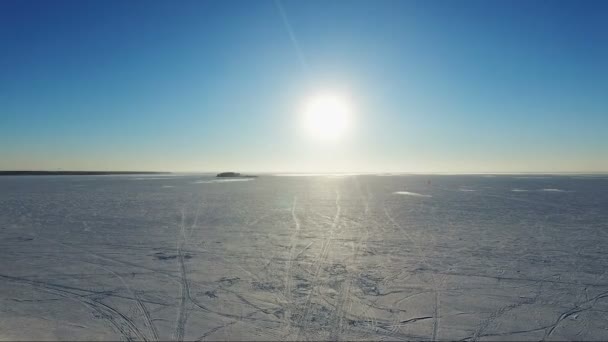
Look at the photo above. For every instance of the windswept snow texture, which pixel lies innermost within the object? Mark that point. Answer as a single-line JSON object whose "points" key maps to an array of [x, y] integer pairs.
{"points": [[303, 258]]}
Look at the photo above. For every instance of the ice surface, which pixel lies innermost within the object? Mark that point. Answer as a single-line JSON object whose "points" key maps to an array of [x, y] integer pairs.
{"points": [[303, 258]]}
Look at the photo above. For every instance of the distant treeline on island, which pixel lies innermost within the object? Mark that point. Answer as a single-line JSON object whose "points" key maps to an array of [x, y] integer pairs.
{"points": [[77, 173], [233, 175]]}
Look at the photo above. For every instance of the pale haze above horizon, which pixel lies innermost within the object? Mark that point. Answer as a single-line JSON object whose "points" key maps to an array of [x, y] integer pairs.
{"points": [[304, 86]]}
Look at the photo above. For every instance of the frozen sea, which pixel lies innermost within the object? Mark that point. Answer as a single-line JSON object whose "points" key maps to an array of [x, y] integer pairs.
{"points": [[382, 257]]}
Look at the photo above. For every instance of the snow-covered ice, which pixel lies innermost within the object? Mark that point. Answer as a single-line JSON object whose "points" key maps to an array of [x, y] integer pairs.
{"points": [[304, 258]]}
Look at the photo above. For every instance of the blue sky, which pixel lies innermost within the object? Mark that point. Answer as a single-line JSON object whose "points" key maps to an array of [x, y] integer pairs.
{"points": [[436, 86]]}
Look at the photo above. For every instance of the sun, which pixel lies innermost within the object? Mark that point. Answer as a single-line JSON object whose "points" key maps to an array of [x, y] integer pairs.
{"points": [[327, 116]]}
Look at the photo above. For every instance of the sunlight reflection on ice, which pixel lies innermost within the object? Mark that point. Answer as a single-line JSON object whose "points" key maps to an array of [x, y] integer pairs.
{"points": [[317, 174], [411, 194], [543, 190]]}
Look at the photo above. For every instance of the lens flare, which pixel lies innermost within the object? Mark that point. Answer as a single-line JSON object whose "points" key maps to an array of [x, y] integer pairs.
{"points": [[327, 116]]}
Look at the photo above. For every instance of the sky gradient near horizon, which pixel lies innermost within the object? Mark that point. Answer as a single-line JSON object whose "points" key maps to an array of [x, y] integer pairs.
{"points": [[436, 86]]}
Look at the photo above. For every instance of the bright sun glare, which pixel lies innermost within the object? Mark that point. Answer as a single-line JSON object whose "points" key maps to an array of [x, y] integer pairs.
{"points": [[327, 116]]}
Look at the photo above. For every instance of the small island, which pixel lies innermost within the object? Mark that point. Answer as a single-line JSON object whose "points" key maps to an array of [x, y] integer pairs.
{"points": [[233, 175]]}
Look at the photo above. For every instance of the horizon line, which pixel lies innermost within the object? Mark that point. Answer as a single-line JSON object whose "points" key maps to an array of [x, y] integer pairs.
{"points": [[314, 172]]}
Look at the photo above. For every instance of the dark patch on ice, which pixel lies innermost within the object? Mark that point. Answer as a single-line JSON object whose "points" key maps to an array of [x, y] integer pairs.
{"points": [[224, 281], [164, 256], [101, 315], [303, 286], [321, 316], [279, 313], [354, 323], [316, 317], [335, 283], [35, 300], [264, 286], [336, 269], [302, 289], [211, 294], [20, 239], [368, 284], [368, 251]]}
